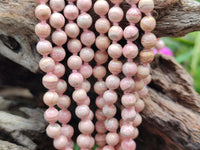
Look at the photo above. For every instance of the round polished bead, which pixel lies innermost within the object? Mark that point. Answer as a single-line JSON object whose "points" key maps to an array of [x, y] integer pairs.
{"points": [[75, 80], [47, 64], [100, 139], [84, 5], [129, 69], [50, 98], [112, 82], [67, 131], [115, 51], [133, 15], [100, 57], [102, 42], [115, 14], [116, 1], [115, 66], [131, 33], [142, 71], [57, 20], [86, 85], [74, 45], [86, 126], [100, 87], [42, 30], [147, 80], [42, 12], [53, 130], [115, 33], [112, 138], [109, 111], [128, 114], [110, 97], [74, 62], [63, 101], [86, 54], [148, 23], [130, 51], [50, 81], [146, 6], [86, 70], [88, 38], [99, 115], [160, 44], [72, 30], [44, 47], [146, 56], [139, 105], [82, 111], [128, 100], [71, 12], [101, 7], [60, 142], [143, 92], [108, 147], [136, 133], [58, 53], [128, 144], [148, 40], [111, 124], [41, 1], [64, 116], [85, 141], [137, 121], [79, 95], [59, 70], [100, 127], [99, 72], [57, 5], [127, 131], [139, 84], [102, 25], [84, 21], [131, 2], [127, 84], [61, 86], [100, 102], [51, 115], [59, 37]]}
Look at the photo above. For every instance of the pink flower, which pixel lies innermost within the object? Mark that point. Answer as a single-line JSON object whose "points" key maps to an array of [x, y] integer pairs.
{"points": [[165, 51]]}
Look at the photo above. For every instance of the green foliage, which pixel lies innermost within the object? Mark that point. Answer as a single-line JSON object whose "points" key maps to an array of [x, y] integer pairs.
{"points": [[76, 147], [187, 52]]}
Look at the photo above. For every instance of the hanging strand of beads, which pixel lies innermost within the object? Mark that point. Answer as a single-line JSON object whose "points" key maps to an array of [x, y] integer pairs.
{"points": [[48, 65], [102, 25]]}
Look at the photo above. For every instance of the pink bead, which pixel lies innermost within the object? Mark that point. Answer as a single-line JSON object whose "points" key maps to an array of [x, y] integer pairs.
{"points": [[136, 133], [139, 84], [74, 62], [60, 142], [128, 100], [115, 51], [112, 82], [67, 131], [146, 6], [50, 81], [111, 124], [148, 23], [147, 80], [115, 33], [42, 30], [100, 102], [102, 25], [101, 8], [130, 51], [51, 114], [72, 30], [86, 86], [85, 141], [115, 66], [88, 38], [58, 53], [79, 95], [99, 115], [108, 147], [47, 64], [90, 116], [59, 70], [64, 116], [84, 5], [100, 87], [75, 79], [42, 12], [99, 72], [100, 139], [116, 1], [148, 40], [64, 102], [115, 14], [50, 98], [160, 44], [86, 70], [131, 33], [102, 42], [84, 21], [137, 121], [127, 131], [61, 86], [86, 126], [128, 114], [100, 57], [112, 138], [133, 15], [59, 37], [57, 5], [127, 84], [129, 69], [44, 47], [100, 127], [131, 2], [128, 144], [86, 54], [142, 71], [143, 93], [71, 12], [139, 105], [74, 45], [82, 111], [110, 97], [53, 130], [109, 111], [57, 20]]}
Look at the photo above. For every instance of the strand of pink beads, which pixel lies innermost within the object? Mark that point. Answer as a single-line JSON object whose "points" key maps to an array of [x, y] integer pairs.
{"points": [[110, 96], [53, 69], [102, 25]]}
